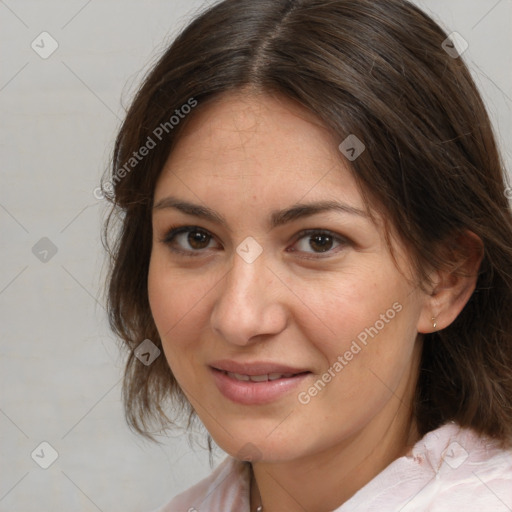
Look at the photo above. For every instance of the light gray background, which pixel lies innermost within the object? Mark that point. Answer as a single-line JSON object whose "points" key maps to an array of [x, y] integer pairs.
{"points": [[60, 367]]}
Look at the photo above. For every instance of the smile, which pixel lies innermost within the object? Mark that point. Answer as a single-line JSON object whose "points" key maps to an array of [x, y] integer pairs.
{"points": [[256, 389]]}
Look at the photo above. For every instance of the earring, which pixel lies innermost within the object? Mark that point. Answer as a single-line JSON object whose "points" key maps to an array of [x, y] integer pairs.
{"points": [[434, 323]]}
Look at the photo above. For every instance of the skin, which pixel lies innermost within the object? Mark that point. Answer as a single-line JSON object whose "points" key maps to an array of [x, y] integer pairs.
{"points": [[245, 156]]}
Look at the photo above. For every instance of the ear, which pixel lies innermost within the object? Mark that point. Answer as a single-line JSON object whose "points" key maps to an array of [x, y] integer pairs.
{"points": [[452, 287]]}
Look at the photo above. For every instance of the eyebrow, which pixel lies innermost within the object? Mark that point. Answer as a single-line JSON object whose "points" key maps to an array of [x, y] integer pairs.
{"points": [[277, 218]]}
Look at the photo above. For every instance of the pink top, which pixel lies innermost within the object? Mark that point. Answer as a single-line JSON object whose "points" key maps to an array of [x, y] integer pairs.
{"points": [[449, 470]]}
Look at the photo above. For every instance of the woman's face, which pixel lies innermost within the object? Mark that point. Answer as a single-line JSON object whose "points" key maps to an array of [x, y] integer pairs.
{"points": [[265, 263]]}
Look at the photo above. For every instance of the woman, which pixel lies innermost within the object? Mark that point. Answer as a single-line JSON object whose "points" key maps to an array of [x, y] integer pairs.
{"points": [[315, 233]]}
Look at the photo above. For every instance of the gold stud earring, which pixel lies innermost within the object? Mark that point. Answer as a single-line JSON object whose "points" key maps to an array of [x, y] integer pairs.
{"points": [[434, 323]]}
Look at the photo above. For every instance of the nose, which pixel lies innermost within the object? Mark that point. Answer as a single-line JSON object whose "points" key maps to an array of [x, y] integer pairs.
{"points": [[250, 303]]}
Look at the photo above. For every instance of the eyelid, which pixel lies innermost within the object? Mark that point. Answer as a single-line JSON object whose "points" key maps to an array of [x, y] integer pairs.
{"points": [[176, 230]]}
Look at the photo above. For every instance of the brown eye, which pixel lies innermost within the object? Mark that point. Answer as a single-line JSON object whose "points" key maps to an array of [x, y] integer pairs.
{"points": [[189, 240], [316, 241], [321, 243], [198, 239]]}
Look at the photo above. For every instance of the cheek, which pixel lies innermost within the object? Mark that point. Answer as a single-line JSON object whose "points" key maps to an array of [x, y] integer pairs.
{"points": [[365, 367], [368, 349], [172, 297], [355, 306], [161, 297], [175, 304], [180, 302]]}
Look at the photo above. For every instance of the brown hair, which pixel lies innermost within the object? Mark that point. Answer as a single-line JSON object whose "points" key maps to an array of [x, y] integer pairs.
{"points": [[374, 69]]}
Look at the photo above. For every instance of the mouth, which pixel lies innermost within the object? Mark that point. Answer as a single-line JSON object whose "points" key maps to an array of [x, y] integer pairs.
{"points": [[257, 387], [256, 368], [260, 378]]}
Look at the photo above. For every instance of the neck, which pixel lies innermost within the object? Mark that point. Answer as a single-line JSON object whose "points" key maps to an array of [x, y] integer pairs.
{"points": [[321, 481], [324, 482]]}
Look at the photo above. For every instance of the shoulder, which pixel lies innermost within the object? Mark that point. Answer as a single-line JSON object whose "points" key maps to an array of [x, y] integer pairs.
{"points": [[449, 469], [471, 472], [226, 488]]}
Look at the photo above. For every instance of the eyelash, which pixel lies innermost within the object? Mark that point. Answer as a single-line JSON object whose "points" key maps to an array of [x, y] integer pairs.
{"points": [[174, 231]]}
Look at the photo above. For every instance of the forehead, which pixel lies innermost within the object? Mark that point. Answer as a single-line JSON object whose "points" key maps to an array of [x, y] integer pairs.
{"points": [[257, 146]]}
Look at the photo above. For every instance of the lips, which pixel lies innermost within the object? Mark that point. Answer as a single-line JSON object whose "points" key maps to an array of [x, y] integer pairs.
{"points": [[256, 383]]}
